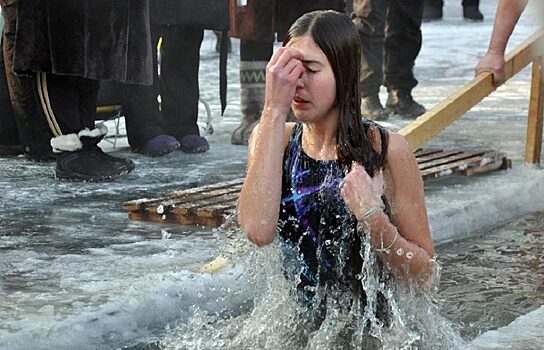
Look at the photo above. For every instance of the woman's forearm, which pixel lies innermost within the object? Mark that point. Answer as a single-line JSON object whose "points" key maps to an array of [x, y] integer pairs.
{"points": [[407, 260], [259, 201]]}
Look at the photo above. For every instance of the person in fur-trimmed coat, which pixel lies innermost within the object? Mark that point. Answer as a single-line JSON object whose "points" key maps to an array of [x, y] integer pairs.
{"points": [[67, 47]]}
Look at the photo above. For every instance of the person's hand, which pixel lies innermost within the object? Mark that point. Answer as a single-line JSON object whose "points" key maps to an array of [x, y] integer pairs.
{"points": [[282, 73], [494, 63], [362, 192]]}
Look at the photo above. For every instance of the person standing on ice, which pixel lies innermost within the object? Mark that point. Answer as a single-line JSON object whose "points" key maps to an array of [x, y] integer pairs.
{"points": [[331, 184], [390, 42], [68, 47], [508, 14]]}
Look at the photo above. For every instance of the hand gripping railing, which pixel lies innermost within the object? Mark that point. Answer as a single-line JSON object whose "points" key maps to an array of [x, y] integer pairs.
{"points": [[452, 108]]}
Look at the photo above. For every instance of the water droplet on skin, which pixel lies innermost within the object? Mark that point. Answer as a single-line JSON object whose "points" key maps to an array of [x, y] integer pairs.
{"points": [[400, 251]]}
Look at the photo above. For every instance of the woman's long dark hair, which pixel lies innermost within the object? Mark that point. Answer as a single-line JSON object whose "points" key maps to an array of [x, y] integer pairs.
{"points": [[337, 37]]}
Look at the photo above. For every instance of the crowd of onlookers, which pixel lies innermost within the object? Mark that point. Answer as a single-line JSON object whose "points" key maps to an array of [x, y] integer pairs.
{"points": [[56, 55]]}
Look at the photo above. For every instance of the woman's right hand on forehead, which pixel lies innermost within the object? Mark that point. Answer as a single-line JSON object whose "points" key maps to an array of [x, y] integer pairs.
{"points": [[282, 73]]}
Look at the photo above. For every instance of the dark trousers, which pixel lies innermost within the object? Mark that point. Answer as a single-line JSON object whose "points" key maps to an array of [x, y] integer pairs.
{"points": [[177, 85], [32, 130], [440, 3], [390, 32], [67, 103], [9, 135]]}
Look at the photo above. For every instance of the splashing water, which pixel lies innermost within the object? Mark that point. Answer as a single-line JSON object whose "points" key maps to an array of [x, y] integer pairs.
{"points": [[275, 318]]}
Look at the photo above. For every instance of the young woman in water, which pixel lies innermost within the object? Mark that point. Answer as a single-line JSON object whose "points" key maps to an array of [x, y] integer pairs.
{"points": [[327, 180]]}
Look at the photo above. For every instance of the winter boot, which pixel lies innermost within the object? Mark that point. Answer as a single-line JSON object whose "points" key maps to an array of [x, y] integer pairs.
{"points": [[403, 104], [80, 159], [252, 89], [372, 108], [472, 13]]}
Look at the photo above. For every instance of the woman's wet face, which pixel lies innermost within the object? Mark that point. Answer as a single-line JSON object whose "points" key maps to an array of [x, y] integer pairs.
{"points": [[315, 97]]}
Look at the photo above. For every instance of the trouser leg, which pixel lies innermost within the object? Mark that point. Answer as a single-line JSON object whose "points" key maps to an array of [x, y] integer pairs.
{"points": [[179, 88], [369, 18], [470, 3], [254, 57], [9, 135], [402, 43], [34, 133], [434, 3], [143, 119]]}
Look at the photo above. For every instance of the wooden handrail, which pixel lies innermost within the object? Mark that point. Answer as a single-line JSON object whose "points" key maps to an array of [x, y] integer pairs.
{"points": [[452, 108]]}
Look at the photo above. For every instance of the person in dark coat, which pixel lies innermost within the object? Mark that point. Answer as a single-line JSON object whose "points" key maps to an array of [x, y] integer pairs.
{"points": [[256, 46], [68, 47], [155, 130], [390, 34]]}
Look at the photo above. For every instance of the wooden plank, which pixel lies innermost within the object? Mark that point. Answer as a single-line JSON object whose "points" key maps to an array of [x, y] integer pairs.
{"points": [[435, 156], [141, 203], [534, 123], [215, 210], [190, 206], [172, 218], [502, 163], [461, 165], [446, 160], [452, 108], [199, 197], [425, 152]]}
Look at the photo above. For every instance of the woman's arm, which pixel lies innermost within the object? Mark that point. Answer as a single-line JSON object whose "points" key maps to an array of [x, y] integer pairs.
{"points": [[506, 17], [404, 245], [259, 202]]}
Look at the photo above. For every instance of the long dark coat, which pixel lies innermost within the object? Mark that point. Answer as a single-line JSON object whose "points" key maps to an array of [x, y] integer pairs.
{"points": [[95, 39]]}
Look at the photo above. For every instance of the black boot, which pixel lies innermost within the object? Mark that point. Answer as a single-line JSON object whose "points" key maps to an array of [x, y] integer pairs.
{"points": [[82, 160], [403, 104], [432, 13], [472, 13], [372, 108]]}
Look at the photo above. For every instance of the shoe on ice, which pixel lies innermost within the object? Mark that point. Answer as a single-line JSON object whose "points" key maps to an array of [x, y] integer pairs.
{"points": [[472, 13], [194, 144], [91, 164], [403, 104], [371, 108], [160, 145], [80, 159]]}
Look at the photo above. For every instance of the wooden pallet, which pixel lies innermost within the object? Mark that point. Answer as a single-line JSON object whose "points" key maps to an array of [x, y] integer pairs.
{"points": [[209, 205]]}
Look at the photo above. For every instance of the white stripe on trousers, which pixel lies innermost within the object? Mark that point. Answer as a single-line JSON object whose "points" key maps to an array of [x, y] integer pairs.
{"points": [[46, 104]]}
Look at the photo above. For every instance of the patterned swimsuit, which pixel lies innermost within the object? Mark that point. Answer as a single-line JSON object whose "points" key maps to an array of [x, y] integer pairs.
{"points": [[314, 222]]}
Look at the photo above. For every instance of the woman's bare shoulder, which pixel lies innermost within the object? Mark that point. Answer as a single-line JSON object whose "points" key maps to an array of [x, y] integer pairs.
{"points": [[398, 149]]}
